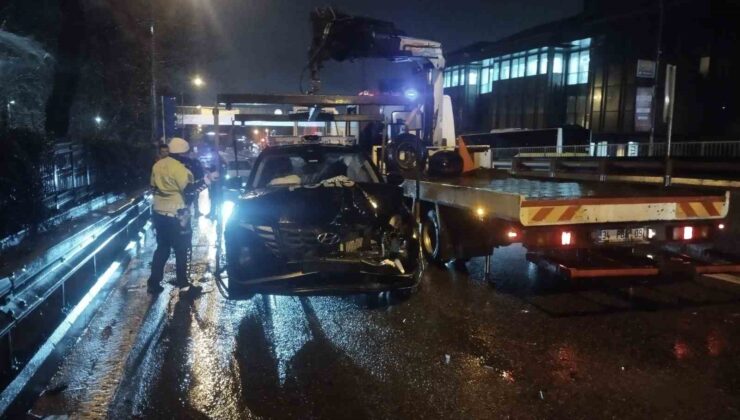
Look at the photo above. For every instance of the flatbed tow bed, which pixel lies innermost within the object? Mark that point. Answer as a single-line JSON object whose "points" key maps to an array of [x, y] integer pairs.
{"points": [[470, 215]]}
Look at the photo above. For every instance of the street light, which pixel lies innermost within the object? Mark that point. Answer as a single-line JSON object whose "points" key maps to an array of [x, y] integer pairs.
{"points": [[198, 81], [255, 132], [98, 120]]}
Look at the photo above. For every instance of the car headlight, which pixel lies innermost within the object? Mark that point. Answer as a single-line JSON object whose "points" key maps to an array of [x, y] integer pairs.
{"points": [[226, 209], [396, 221]]}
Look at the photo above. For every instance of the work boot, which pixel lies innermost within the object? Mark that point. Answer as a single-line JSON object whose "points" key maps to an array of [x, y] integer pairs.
{"points": [[154, 287], [178, 283], [191, 292]]}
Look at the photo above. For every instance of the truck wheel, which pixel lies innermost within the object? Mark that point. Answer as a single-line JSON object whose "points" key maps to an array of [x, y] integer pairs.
{"points": [[403, 154], [430, 234]]}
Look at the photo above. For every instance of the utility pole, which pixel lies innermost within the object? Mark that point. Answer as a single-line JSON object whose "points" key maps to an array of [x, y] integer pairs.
{"points": [[153, 60], [658, 53], [668, 107]]}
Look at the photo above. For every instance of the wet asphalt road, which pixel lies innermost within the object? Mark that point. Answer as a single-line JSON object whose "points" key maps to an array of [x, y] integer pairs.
{"points": [[532, 348]]}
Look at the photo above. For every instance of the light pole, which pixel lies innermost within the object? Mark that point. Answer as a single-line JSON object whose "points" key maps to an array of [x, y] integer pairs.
{"points": [[197, 82]]}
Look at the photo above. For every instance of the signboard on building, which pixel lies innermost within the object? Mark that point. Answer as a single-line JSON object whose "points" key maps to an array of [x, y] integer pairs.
{"points": [[646, 69], [643, 109]]}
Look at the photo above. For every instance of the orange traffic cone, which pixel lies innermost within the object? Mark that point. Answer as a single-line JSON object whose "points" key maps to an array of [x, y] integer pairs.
{"points": [[468, 163]]}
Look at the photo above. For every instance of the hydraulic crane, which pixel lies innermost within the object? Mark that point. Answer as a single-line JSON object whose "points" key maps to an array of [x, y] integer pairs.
{"points": [[340, 37]]}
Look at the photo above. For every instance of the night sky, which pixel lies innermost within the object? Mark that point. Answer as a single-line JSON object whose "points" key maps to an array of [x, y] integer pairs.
{"points": [[264, 43]]}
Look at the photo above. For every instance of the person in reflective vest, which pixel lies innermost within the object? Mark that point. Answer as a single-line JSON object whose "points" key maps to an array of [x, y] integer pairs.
{"points": [[171, 180]]}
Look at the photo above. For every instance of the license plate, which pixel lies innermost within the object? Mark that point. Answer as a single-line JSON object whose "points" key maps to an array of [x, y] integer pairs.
{"points": [[351, 246], [621, 235]]}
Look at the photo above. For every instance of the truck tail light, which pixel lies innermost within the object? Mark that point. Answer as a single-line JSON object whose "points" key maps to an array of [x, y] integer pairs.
{"points": [[511, 234], [721, 226], [687, 233], [566, 238]]}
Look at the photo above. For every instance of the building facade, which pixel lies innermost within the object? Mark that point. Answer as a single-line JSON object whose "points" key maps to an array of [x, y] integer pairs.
{"points": [[597, 70]]}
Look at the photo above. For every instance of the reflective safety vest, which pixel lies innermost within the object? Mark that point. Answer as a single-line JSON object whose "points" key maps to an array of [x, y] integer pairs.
{"points": [[169, 179]]}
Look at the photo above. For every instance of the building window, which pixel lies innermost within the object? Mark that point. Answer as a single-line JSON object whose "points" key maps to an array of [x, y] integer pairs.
{"points": [[473, 77], [505, 69], [447, 79], [578, 67], [579, 61], [532, 65], [517, 67], [494, 71], [543, 63], [557, 63], [485, 80], [455, 77]]}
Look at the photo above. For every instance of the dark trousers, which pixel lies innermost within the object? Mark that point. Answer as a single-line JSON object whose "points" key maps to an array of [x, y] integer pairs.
{"points": [[170, 235]]}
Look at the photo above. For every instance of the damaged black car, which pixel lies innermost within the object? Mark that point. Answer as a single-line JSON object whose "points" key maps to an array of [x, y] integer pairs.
{"points": [[318, 218]]}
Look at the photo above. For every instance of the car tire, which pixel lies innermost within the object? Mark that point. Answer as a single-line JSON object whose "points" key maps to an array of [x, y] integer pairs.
{"points": [[430, 238]]}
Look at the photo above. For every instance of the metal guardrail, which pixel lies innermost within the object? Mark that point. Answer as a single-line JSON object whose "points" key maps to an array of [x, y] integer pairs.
{"points": [[37, 299], [712, 149]]}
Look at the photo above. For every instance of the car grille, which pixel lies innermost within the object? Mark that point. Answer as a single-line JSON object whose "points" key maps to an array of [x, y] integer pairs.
{"points": [[298, 242], [267, 234]]}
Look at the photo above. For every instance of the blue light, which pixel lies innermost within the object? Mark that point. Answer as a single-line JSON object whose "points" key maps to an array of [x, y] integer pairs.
{"points": [[412, 94]]}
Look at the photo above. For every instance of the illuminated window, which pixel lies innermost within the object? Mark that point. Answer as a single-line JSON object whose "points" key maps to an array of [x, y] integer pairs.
{"points": [[494, 71], [514, 68], [573, 69], [578, 67], [517, 67], [543, 63], [578, 62], [583, 62], [557, 63], [455, 78], [447, 79], [505, 69], [473, 77], [532, 65], [485, 78]]}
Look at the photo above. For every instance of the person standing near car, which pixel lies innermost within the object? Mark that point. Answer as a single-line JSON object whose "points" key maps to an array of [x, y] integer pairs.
{"points": [[171, 216]]}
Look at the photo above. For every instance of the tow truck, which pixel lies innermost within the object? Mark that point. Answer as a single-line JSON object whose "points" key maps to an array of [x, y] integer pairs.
{"points": [[586, 229], [583, 229]]}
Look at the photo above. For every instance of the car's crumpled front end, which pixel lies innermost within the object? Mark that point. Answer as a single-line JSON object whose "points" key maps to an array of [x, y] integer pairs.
{"points": [[326, 239]]}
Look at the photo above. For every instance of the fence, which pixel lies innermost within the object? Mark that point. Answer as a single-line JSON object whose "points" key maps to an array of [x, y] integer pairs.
{"points": [[67, 176], [706, 150]]}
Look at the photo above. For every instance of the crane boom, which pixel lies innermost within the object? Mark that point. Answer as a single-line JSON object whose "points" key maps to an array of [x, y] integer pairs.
{"points": [[340, 37]]}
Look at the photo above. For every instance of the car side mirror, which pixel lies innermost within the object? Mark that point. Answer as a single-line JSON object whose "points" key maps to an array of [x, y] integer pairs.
{"points": [[394, 178]]}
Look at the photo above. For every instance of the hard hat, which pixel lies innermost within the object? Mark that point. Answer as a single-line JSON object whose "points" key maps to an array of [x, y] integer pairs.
{"points": [[178, 145]]}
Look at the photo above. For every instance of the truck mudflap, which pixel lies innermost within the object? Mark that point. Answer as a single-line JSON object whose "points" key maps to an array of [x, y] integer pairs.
{"points": [[622, 209]]}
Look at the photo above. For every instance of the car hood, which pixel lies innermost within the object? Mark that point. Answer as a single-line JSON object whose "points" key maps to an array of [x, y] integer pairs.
{"points": [[321, 204]]}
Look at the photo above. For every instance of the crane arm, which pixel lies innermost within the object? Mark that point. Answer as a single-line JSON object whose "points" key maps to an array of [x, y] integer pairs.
{"points": [[340, 37]]}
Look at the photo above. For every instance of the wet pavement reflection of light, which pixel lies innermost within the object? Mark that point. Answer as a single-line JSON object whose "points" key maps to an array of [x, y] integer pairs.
{"points": [[532, 348]]}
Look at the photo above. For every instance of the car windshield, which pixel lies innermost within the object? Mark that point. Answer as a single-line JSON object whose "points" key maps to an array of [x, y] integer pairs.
{"points": [[242, 164], [312, 168]]}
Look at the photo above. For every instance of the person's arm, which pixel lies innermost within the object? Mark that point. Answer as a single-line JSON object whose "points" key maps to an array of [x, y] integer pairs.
{"points": [[183, 177], [152, 181]]}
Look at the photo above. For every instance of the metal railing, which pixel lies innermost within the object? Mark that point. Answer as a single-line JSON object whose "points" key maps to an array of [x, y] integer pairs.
{"points": [[67, 176], [713, 149]]}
